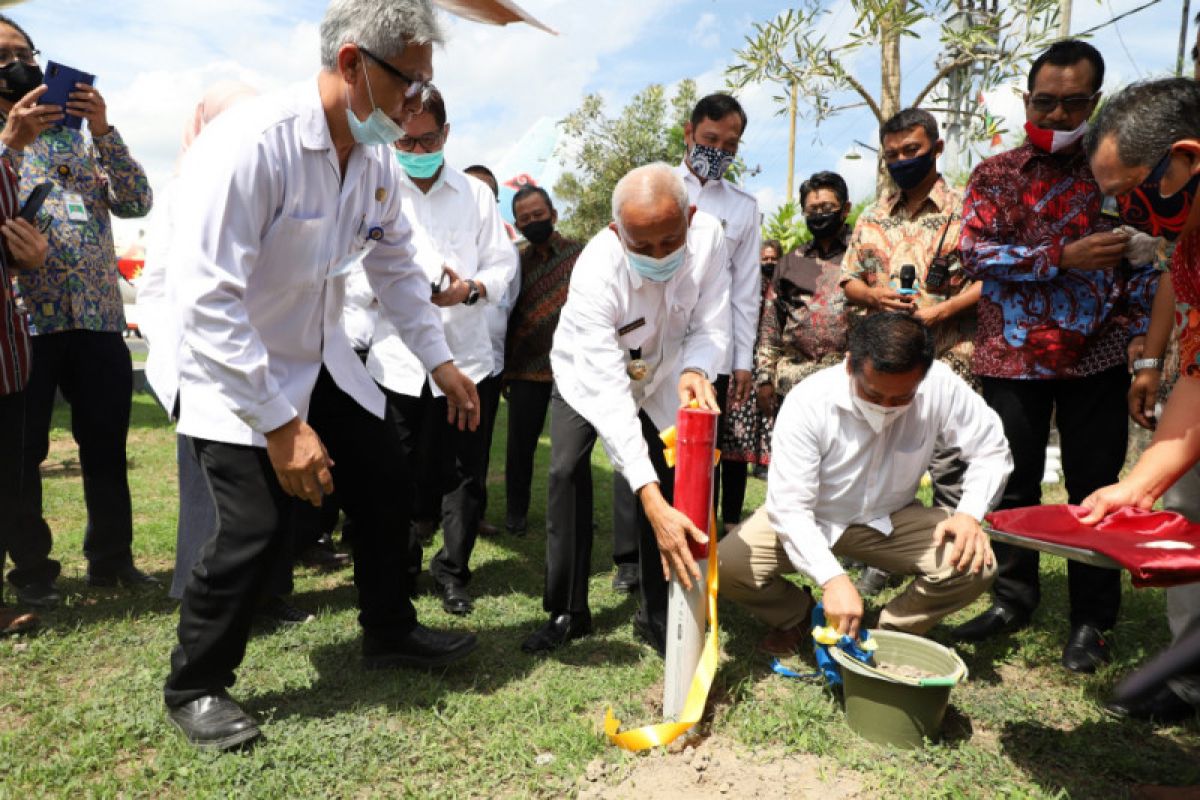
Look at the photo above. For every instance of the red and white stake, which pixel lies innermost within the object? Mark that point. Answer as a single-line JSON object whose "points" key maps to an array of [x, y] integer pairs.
{"points": [[695, 446]]}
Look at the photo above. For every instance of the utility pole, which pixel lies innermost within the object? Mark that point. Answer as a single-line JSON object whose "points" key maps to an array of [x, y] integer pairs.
{"points": [[1064, 18], [1183, 31], [793, 111]]}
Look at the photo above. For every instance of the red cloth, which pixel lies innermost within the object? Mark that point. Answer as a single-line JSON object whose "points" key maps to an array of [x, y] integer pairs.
{"points": [[1130, 536]]}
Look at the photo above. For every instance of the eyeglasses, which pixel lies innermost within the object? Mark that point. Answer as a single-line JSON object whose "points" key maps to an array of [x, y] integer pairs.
{"points": [[415, 87], [1046, 103], [429, 142], [22, 54], [823, 208]]}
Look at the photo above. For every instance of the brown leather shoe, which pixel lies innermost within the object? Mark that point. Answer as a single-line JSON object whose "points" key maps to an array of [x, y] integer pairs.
{"points": [[785, 641], [13, 621], [488, 529]]}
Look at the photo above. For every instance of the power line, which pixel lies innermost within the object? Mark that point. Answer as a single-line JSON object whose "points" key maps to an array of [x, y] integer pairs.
{"points": [[1117, 18]]}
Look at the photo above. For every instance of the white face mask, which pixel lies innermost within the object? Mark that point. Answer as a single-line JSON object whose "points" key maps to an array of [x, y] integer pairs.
{"points": [[877, 416]]}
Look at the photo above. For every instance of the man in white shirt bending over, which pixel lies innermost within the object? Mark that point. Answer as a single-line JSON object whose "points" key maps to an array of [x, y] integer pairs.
{"points": [[850, 446], [644, 331], [277, 200], [468, 258]]}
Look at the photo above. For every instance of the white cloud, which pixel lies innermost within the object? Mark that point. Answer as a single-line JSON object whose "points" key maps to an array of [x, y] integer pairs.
{"points": [[705, 33]]}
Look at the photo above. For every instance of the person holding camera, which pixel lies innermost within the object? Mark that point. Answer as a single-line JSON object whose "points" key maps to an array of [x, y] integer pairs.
{"points": [[903, 256]]}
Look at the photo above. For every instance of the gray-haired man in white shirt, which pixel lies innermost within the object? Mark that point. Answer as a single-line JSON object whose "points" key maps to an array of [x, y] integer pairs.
{"points": [[850, 446], [644, 331], [278, 199]]}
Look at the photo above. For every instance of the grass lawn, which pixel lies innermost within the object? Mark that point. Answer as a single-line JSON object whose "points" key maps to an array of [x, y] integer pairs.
{"points": [[81, 710]]}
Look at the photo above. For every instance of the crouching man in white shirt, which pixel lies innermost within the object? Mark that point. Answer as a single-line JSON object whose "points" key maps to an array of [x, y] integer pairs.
{"points": [[276, 200], [644, 331], [849, 449]]}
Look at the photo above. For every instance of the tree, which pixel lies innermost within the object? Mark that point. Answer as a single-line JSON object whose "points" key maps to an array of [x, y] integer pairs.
{"points": [[602, 150], [983, 47]]}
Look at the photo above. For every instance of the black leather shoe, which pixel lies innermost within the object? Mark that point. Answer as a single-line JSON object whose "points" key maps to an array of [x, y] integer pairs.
{"points": [[130, 577], [650, 633], [1086, 649], [627, 579], [456, 600], [996, 620], [38, 595], [214, 722], [872, 581], [1164, 707], [423, 648], [324, 556], [517, 526], [278, 611], [558, 630]]}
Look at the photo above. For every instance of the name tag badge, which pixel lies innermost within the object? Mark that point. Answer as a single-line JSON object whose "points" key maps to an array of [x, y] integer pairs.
{"points": [[76, 210]]}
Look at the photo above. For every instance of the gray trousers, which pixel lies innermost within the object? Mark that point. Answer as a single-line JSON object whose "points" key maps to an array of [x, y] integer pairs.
{"points": [[1183, 602]]}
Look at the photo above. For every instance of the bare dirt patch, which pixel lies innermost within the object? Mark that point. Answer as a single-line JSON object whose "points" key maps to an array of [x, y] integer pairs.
{"points": [[717, 768]]}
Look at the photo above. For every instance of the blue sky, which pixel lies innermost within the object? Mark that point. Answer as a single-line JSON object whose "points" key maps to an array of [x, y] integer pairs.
{"points": [[155, 57]]}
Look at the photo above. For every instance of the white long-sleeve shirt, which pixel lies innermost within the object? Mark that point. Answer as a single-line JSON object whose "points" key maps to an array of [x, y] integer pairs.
{"points": [[264, 229], [456, 223], [157, 320], [830, 470], [739, 217], [497, 317], [676, 324]]}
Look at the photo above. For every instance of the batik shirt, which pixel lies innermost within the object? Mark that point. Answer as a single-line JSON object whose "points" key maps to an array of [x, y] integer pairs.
{"points": [[1036, 319], [886, 238], [1185, 276], [545, 278], [78, 288], [803, 334], [14, 338]]}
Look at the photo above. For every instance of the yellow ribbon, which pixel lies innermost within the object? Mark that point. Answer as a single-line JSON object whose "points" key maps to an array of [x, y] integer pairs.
{"points": [[664, 733]]}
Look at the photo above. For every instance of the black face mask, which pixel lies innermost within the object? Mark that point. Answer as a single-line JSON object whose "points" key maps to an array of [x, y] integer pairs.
{"points": [[909, 173], [538, 232], [1147, 210], [19, 79], [822, 226]]}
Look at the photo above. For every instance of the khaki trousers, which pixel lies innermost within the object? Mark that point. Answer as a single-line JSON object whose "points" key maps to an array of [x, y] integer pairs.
{"points": [[752, 561]]}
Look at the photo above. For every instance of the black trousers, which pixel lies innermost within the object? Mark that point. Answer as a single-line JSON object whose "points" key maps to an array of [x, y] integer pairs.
{"points": [[453, 464], [729, 477], [569, 530], [95, 374], [487, 422], [253, 522], [528, 402], [624, 519], [24, 534], [198, 523], [1093, 427]]}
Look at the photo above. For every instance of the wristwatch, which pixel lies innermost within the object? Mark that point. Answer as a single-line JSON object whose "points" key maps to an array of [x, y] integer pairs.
{"points": [[1147, 363], [473, 295]]}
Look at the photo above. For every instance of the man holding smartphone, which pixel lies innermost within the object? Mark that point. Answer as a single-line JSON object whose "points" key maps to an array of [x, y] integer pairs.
{"points": [[461, 243], [76, 316]]}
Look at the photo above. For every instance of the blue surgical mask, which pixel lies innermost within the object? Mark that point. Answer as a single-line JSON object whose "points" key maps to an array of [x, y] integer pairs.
{"points": [[421, 165], [657, 269], [378, 128]]}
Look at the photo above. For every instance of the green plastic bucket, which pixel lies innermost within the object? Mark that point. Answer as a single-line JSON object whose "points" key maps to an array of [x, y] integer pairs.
{"points": [[894, 710]]}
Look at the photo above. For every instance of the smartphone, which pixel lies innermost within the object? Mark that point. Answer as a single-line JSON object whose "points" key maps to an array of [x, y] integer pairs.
{"points": [[33, 203], [61, 81]]}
